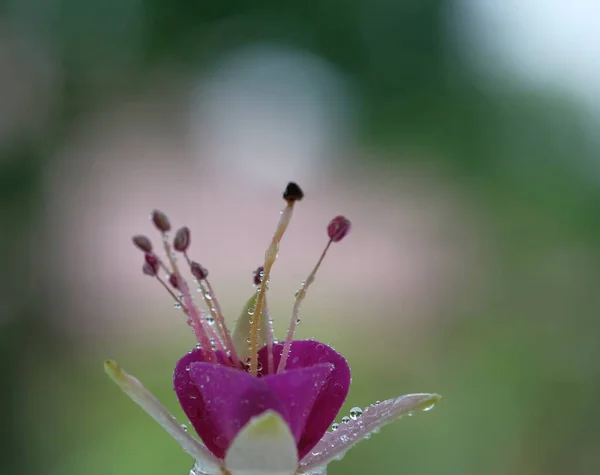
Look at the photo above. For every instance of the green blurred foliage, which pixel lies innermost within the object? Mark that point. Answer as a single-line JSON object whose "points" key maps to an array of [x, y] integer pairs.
{"points": [[519, 374]]}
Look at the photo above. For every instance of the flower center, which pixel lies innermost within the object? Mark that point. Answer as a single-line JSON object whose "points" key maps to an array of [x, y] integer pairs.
{"points": [[254, 328]]}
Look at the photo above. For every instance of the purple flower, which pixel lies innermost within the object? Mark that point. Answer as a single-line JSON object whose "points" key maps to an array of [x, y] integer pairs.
{"points": [[259, 406]]}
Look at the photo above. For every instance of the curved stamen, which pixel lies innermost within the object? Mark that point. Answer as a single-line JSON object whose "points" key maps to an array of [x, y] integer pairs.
{"points": [[192, 311], [296, 310], [337, 229], [291, 194]]}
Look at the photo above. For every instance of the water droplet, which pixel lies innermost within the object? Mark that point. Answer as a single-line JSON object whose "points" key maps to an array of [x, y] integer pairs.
{"points": [[367, 436], [297, 321], [250, 311], [187, 368], [355, 413], [199, 289], [210, 320], [177, 305], [409, 414], [184, 427], [345, 420], [198, 346], [377, 403], [334, 426], [429, 408]]}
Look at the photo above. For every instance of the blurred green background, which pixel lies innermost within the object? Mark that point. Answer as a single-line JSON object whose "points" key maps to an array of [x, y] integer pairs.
{"points": [[472, 269]]}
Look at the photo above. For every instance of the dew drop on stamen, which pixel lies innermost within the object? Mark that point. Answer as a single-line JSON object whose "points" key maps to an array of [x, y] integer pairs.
{"points": [[355, 413]]}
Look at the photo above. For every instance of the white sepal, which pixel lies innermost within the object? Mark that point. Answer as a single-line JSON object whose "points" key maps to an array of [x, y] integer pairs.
{"points": [[140, 395], [333, 445], [264, 446]]}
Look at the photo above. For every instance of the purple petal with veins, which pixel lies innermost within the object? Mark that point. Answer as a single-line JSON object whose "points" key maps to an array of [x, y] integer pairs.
{"points": [[306, 353]]}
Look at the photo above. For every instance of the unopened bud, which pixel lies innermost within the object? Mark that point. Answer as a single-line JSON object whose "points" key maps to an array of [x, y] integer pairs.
{"points": [[198, 271], [174, 280], [292, 192], [258, 275], [142, 243], [152, 262], [182, 239], [161, 221], [338, 228]]}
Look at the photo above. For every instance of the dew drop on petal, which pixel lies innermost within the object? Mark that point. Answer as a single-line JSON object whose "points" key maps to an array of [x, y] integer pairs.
{"points": [[184, 427], [334, 426], [355, 413], [429, 408], [345, 419]]}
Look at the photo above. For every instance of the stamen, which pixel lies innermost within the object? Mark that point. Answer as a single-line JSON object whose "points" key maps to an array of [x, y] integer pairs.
{"points": [[160, 220], [337, 229], [210, 299], [222, 325], [269, 335], [142, 243], [270, 339], [291, 194], [151, 267]]}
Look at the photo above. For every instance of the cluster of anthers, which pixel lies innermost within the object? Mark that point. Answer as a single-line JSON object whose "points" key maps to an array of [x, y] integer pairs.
{"points": [[259, 406]]}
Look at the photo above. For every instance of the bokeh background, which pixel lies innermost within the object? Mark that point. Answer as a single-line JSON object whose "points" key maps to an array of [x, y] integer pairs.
{"points": [[461, 138]]}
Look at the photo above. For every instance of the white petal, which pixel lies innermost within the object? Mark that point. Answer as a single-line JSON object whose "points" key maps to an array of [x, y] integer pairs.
{"points": [[265, 446], [140, 395], [333, 445]]}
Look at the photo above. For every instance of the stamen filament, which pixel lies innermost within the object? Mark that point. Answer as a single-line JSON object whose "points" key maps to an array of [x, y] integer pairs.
{"points": [[192, 311], [270, 338], [177, 300], [296, 310], [217, 314], [270, 257]]}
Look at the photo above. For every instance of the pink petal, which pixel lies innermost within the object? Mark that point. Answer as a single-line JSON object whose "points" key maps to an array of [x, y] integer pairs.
{"points": [[220, 400], [306, 353], [230, 398], [298, 389], [334, 445]]}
